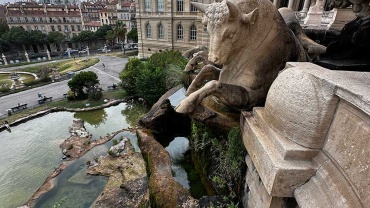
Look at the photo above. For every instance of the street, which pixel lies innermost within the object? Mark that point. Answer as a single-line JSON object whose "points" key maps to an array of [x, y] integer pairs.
{"points": [[107, 77]]}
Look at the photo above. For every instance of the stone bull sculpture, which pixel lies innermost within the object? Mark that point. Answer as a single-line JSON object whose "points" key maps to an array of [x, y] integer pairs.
{"points": [[252, 43]]}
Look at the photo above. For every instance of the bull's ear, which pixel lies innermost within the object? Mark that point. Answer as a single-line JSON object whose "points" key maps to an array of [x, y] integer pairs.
{"points": [[200, 7], [233, 10], [251, 17]]}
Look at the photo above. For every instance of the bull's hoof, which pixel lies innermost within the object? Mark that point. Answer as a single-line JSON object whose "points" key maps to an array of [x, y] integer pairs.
{"points": [[185, 107]]}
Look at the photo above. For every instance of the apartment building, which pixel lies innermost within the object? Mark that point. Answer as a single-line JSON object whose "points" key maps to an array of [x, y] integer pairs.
{"points": [[46, 18], [126, 13], [108, 15], [90, 12]]}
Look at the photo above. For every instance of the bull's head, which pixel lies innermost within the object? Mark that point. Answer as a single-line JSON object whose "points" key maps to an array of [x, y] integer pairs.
{"points": [[228, 28]]}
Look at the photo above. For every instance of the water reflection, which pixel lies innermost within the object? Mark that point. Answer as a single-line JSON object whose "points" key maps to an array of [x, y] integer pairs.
{"points": [[94, 118], [30, 153], [176, 149], [133, 112]]}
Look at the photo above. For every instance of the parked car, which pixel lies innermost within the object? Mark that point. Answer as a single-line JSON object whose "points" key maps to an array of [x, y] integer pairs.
{"points": [[71, 51], [82, 51]]}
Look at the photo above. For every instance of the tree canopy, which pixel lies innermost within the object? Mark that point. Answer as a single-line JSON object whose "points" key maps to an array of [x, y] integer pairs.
{"points": [[55, 37], [102, 31], [132, 35], [83, 80], [120, 31], [150, 79]]}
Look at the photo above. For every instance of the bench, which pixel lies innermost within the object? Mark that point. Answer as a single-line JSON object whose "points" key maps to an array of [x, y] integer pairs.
{"points": [[45, 99], [19, 107], [113, 87]]}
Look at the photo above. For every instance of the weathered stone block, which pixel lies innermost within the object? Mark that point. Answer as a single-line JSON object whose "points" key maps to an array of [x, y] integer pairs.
{"points": [[279, 176], [348, 144], [288, 149], [299, 106]]}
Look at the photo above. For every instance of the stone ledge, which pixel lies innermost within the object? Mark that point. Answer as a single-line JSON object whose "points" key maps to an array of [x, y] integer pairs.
{"points": [[329, 185], [279, 176], [288, 149]]}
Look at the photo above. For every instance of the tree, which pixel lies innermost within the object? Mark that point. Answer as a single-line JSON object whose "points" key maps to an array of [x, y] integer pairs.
{"points": [[3, 27], [86, 36], [120, 31], [37, 37], [83, 81], [101, 33], [132, 35], [150, 79], [16, 36], [110, 36], [129, 74], [55, 37]]}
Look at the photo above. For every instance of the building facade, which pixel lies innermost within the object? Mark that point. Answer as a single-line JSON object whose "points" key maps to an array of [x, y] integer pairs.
{"points": [[45, 18], [65, 19], [126, 13], [90, 12], [108, 15], [166, 24]]}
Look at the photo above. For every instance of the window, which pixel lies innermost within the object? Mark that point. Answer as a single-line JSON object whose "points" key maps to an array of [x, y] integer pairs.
{"points": [[160, 31], [160, 6], [26, 19], [193, 32], [72, 27], [40, 19], [180, 5], [43, 28], [78, 28], [52, 28], [19, 19], [36, 27], [65, 28], [11, 19], [192, 8], [28, 28], [59, 28], [180, 32], [148, 30], [147, 5], [33, 19]]}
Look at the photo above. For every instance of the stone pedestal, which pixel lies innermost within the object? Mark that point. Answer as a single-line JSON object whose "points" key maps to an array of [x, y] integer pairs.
{"points": [[311, 141], [314, 15]]}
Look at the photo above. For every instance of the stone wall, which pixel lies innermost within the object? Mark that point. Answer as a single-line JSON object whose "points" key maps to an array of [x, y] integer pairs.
{"points": [[311, 140]]}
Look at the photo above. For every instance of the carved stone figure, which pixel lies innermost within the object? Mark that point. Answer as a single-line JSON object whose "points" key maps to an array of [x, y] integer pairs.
{"points": [[251, 41], [353, 41]]}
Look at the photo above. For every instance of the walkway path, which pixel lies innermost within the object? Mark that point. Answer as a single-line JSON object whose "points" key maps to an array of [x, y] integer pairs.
{"points": [[107, 77]]}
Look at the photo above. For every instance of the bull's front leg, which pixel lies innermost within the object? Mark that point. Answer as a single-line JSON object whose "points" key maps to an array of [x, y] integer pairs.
{"points": [[232, 96], [209, 72], [193, 62]]}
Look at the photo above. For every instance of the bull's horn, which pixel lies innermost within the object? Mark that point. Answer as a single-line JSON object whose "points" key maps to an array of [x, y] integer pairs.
{"points": [[233, 10], [200, 7], [251, 17]]}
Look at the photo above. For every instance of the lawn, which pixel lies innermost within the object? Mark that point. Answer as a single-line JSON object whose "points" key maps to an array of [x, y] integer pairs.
{"points": [[64, 66]]}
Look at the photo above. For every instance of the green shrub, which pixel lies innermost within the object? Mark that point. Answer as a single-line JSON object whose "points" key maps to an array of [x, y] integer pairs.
{"points": [[4, 89], [151, 78], [110, 152], [115, 142]]}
